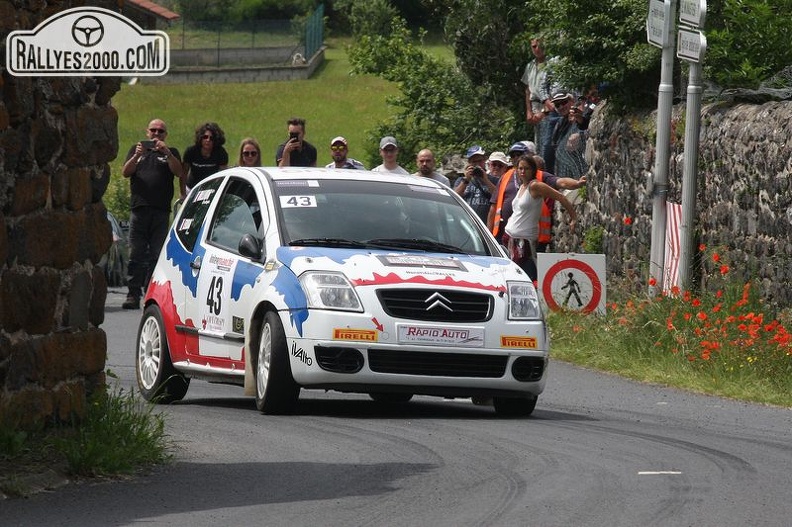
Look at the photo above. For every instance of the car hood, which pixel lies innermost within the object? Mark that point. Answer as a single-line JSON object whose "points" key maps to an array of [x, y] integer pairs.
{"points": [[375, 267]]}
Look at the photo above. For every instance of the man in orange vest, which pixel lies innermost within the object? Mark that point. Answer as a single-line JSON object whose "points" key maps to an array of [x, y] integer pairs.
{"points": [[501, 202]]}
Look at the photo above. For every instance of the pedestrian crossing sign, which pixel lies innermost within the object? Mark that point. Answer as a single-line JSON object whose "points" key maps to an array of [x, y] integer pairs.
{"points": [[574, 282]]}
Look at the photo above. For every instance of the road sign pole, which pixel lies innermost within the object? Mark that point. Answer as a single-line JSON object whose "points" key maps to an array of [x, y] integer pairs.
{"points": [[690, 173], [665, 102]]}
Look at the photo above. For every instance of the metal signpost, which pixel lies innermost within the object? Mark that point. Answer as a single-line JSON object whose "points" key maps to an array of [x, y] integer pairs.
{"points": [[692, 45], [659, 33]]}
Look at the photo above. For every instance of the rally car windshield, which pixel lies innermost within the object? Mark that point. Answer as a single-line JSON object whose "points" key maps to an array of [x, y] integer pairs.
{"points": [[377, 215]]}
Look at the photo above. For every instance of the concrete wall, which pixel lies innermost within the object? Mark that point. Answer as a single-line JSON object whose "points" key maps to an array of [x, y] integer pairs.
{"points": [[744, 202], [250, 71]]}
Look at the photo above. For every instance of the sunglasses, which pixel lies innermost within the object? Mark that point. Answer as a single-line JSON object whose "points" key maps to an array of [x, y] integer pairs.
{"points": [[158, 131], [560, 103], [248, 153], [208, 136], [337, 148]]}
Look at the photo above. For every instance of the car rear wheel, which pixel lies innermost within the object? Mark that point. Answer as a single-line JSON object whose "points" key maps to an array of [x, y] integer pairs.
{"points": [[276, 391], [157, 379], [391, 398], [514, 407]]}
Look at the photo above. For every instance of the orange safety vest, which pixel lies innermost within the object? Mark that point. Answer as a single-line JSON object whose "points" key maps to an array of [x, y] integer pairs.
{"points": [[545, 217], [505, 180]]}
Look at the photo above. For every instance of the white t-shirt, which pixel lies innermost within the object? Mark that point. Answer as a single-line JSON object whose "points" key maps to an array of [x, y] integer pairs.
{"points": [[524, 221], [383, 168]]}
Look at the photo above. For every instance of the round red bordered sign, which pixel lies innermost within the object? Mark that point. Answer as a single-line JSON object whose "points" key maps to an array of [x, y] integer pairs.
{"points": [[586, 269]]}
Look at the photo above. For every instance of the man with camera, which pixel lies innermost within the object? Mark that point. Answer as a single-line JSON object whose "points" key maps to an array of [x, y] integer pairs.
{"points": [[150, 166], [296, 152], [476, 186]]}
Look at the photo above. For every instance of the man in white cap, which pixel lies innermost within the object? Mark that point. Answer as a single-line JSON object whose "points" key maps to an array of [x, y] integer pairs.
{"points": [[339, 149], [477, 187], [389, 150]]}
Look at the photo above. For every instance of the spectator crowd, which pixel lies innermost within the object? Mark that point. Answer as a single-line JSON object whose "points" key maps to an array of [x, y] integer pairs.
{"points": [[512, 190]]}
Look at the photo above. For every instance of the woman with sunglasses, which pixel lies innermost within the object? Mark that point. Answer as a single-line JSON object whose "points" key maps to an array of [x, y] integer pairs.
{"points": [[249, 153], [206, 155]]}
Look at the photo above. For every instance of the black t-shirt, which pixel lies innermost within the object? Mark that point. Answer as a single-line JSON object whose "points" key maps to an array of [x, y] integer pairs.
{"points": [[306, 157], [151, 184], [200, 166]]}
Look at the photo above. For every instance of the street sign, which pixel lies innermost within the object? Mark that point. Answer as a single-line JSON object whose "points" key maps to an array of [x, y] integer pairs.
{"points": [[658, 23], [691, 45], [572, 281], [693, 12]]}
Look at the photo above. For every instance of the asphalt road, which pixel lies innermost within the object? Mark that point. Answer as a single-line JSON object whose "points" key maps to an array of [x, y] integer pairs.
{"points": [[598, 450]]}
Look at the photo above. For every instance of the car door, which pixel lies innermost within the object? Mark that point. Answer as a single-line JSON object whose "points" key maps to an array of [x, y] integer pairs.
{"points": [[219, 310]]}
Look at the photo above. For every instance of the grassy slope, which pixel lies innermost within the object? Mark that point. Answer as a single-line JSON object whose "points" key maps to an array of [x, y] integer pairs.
{"points": [[333, 102]]}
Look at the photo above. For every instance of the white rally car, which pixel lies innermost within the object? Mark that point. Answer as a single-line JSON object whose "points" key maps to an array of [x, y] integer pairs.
{"points": [[282, 279]]}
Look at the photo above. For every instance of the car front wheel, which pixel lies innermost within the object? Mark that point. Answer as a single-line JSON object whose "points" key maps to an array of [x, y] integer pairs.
{"points": [[276, 391], [157, 379]]}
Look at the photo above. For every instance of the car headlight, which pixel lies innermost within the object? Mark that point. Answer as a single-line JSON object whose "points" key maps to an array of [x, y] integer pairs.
{"points": [[523, 301], [329, 291]]}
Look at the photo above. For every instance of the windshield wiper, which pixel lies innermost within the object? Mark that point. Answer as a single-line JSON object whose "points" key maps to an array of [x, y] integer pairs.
{"points": [[328, 242], [414, 243]]}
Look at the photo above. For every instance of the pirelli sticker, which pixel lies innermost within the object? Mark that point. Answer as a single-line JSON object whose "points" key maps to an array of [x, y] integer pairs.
{"points": [[366, 335], [518, 342]]}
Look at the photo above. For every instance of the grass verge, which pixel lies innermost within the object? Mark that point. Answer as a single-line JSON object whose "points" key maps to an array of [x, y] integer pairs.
{"points": [[119, 434], [725, 343]]}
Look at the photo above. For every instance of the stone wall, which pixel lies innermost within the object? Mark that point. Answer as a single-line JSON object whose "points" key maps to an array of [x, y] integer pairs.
{"points": [[57, 136], [744, 192]]}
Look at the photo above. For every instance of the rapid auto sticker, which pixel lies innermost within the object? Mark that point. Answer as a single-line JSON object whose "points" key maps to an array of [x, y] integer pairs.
{"points": [[472, 337]]}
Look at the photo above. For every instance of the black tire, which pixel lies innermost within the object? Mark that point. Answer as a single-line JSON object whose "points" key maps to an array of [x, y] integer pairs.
{"points": [[276, 391], [157, 379], [391, 398], [514, 407]]}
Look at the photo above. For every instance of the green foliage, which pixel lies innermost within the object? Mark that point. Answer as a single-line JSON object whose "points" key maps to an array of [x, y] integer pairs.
{"points": [[604, 44], [747, 41], [438, 107], [367, 17], [592, 240], [242, 10], [119, 433]]}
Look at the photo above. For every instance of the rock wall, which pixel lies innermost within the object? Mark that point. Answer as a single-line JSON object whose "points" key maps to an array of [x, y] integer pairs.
{"points": [[57, 136], [744, 193]]}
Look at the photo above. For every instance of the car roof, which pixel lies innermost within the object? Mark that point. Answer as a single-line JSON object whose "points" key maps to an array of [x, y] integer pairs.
{"points": [[317, 173]]}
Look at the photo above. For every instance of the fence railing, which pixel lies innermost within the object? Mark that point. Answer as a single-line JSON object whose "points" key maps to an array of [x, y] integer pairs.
{"points": [[253, 34]]}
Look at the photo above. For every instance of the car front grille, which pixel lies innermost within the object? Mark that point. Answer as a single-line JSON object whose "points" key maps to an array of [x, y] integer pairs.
{"points": [[436, 364], [436, 305]]}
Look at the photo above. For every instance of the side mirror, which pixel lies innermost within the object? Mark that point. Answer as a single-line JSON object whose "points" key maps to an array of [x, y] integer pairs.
{"points": [[250, 247]]}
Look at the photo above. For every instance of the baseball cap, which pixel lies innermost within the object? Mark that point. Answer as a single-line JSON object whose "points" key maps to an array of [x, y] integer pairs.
{"points": [[338, 139], [560, 97], [531, 146], [388, 140], [473, 151], [500, 157], [518, 147]]}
